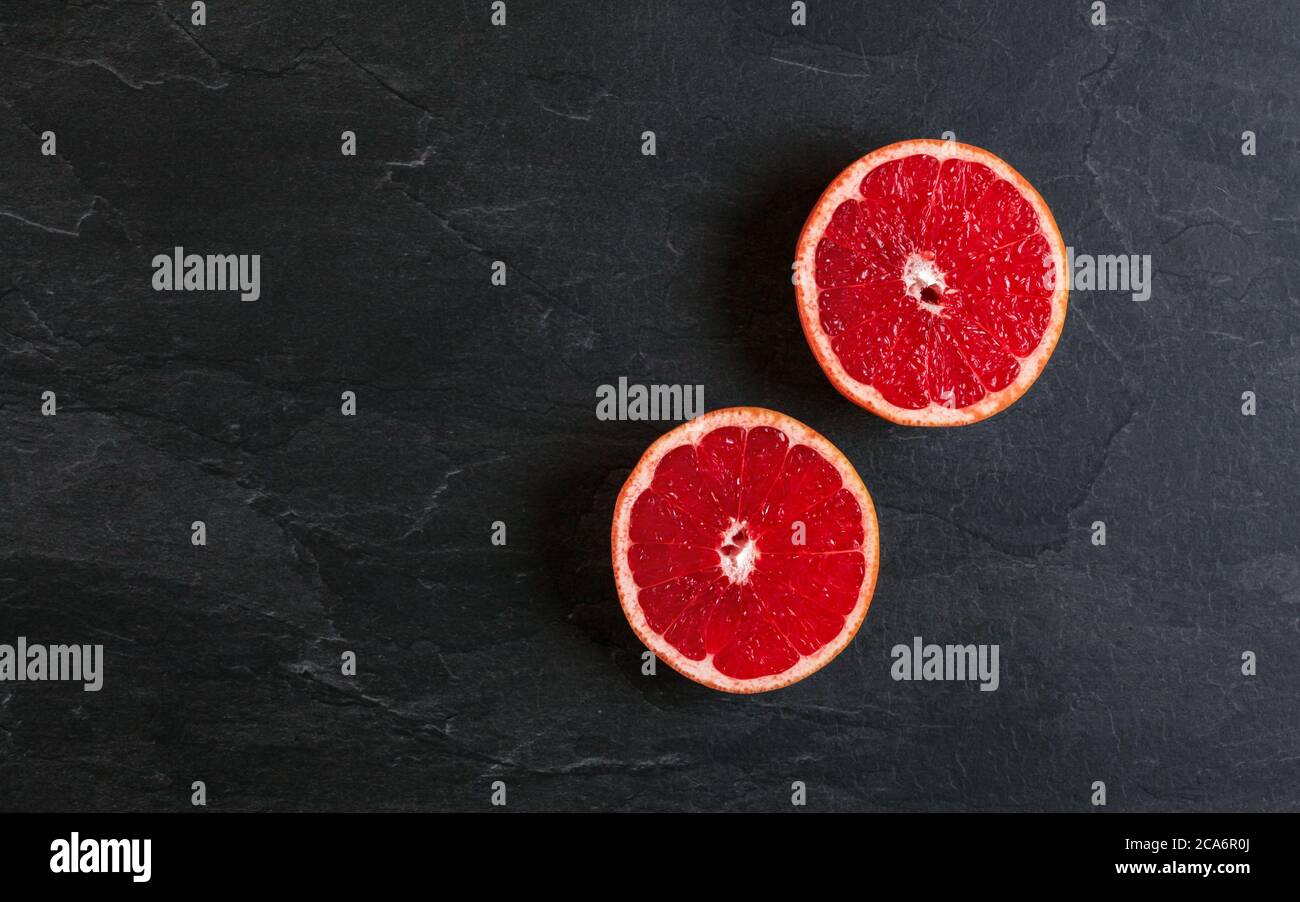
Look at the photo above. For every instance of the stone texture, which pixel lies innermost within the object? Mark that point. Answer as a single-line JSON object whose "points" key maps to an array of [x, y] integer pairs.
{"points": [[476, 403]]}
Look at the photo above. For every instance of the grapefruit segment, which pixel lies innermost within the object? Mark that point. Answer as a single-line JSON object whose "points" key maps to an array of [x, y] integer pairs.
{"points": [[654, 564], [664, 602], [745, 550], [830, 580], [950, 380], [930, 280]]}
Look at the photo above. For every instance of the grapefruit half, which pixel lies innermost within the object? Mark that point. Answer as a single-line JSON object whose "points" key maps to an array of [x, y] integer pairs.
{"points": [[745, 550], [931, 283]]}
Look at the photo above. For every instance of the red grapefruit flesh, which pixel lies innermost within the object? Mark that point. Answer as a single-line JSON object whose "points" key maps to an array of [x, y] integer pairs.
{"points": [[745, 550], [931, 283]]}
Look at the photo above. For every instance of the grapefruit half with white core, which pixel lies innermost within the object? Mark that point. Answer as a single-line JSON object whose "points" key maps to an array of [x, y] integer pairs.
{"points": [[931, 283], [745, 550]]}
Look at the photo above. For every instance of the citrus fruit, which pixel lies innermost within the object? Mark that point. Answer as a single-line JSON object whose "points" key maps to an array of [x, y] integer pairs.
{"points": [[745, 550], [931, 283]]}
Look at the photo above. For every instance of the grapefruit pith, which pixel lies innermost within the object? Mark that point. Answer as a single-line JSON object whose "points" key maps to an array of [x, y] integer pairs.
{"points": [[931, 283], [745, 550]]}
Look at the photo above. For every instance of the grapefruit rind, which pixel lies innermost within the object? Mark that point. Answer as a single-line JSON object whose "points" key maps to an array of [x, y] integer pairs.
{"points": [[642, 475], [845, 187]]}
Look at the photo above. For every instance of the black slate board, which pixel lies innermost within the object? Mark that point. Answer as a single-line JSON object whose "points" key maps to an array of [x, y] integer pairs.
{"points": [[476, 403]]}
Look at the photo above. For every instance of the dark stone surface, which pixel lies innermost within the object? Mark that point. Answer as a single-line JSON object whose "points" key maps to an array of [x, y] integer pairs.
{"points": [[522, 144]]}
